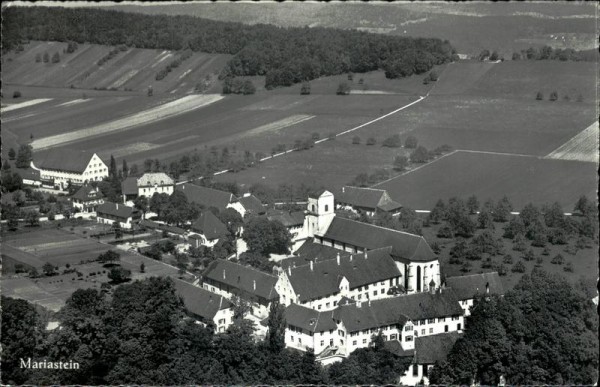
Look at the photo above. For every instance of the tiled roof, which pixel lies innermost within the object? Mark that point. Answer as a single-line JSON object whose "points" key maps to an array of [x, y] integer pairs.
{"points": [[129, 186], [309, 319], [325, 276], [315, 194], [404, 245], [243, 277], [201, 302], [368, 198], [88, 193], [252, 205], [209, 225], [207, 197], [310, 251], [288, 219], [70, 160], [154, 178], [395, 347], [399, 309], [159, 226], [466, 287], [434, 348], [28, 173], [118, 210]]}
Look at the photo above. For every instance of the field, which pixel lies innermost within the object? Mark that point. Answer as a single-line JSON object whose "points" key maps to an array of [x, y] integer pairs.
{"points": [[583, 147]]}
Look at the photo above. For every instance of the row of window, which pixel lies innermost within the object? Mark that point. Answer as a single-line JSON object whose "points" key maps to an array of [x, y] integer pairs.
{"points": [[96, 171]]}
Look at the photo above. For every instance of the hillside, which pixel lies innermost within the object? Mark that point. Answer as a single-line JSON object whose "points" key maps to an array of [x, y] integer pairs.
{"points": [[133, 69]]}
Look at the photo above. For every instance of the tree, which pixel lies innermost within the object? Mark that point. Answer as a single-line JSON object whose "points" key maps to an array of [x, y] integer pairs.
{"points": [[141, 203], [392, 142], [119, 275], [485, 220], [419, 155], [494, 56], [55, 57], [24, 156], [305, 89], [502, 210], [411, 142], [276, 325], [472, 204], [46, 57], [519, 267], [12, 154], [142, 268], [400, 163], [248, 87], [109, 257], [356, 140], [371, 141], [539, 96], [116, 226], [485, 54], [558, 260], [48, 269], [343, 89], [553, 96], [568, 267], [32, 218], [266, 237]]}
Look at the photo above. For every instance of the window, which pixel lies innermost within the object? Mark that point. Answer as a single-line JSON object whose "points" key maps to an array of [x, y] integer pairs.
{"points": [[292, 339], [327, 305], [415, 369], [443, 319], [341, 342], [322, 343], [360, 296], [455, 318], [341, 333], [299, 340], [458, 327], [445, 328], [393, 337], [422, 331], [375, 292], [424, 368], [331, 342], [366, 287], [392, 282], [222, 321], [408, 338], [354, 342], [334, 303], [431, 321], [319, 307], [382, 282], [326, 207], [422, 322], [364, 341], [430, 330]]}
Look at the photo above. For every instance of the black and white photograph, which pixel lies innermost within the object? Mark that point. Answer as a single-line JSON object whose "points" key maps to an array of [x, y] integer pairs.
{"points": [[299, 193]]}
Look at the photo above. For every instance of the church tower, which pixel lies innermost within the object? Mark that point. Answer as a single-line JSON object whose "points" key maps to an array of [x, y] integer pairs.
{"points": [[319, 213]]}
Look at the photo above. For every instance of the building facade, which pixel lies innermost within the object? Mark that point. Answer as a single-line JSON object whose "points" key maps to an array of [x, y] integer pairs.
{"points": [[77, 168]]}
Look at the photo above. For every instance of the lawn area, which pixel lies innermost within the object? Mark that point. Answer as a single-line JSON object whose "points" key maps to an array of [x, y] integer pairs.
{"points": [[522, 179], [585, 261]]}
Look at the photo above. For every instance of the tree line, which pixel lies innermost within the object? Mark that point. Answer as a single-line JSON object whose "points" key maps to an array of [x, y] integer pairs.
{"points": [[142, 335], [283, 55]]}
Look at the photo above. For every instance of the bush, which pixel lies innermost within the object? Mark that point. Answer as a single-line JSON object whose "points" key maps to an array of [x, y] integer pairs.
{"points": [[371, 141], [508, 259], [420, 155], [529, 255], [17, 94], [539, 96], [466, 267], [539, 261], [392, 142], [553, 96], [343, 89], [445, 232], [502, 270], [433, 76], [568, 267], [558, 259], [519, 267], [356, 140], [305, 89], [411, 142]]}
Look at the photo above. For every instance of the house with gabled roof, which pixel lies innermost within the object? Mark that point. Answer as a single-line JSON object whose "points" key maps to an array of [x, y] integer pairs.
{"points": [[207, 230], [108, 213], [366, 200], [207, 197], [469, 287], [321, 284], [248, 206], [206, 307], [414, 258], [293, 222], [61, 168], [87, 198], [147, 185], [234, 280]]}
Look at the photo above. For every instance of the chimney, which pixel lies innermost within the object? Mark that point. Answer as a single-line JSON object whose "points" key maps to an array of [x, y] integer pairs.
{"points": [[369, 303], [343, 189], [311, 266], [338, 258], [487, 287], [224, 276], [358, 304], [290, 270], [117, 205], [350, 257], [254, 283], [366, 256]]}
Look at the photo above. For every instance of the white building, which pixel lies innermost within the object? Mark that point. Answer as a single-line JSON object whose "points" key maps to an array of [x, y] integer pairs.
{"points": [[108, 213], [147, 185], [64, 167], [207, 230], [248, 205], [87, 199], [207, 308], [366, 200]]}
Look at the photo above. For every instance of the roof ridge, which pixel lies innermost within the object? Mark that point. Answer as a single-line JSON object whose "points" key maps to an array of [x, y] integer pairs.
{"points": [[246, 266], [369, 188], [384, 228]]}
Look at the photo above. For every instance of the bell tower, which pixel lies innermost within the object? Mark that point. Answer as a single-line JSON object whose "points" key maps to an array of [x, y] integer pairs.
{"points": [[319, 213]]}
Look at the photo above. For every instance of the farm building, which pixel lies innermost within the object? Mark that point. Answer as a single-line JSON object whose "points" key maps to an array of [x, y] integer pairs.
{"points": [[249, 205], [468, 287], [207, 230], [207, 308], [87, 199], [60, 170], [207, 197], [146, 185], [402, 320], [108, 213], [367, 200], [321, 284], [418, 265], [231, 279]]}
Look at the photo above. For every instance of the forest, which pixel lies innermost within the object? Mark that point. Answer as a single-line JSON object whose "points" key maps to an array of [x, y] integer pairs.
{"points": [[283, 55]]}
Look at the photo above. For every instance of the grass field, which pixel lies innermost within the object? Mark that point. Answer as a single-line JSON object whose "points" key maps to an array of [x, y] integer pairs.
{"points": [[523, 179], [582, 147]]}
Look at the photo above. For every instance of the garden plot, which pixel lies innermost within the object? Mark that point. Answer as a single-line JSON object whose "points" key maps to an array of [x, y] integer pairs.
{"points": [[170, 109]]}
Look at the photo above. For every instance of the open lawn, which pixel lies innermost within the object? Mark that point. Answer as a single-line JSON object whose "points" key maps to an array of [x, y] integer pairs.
{"points": [[523, 179]]}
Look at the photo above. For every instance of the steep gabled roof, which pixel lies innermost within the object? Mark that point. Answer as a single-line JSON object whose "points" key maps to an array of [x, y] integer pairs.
{"points": [[87, 193], [119, 210], [207, 197], [70, 160], [201, 302], [434, 348], [288, 219], [243, 277], [309, 319], [252, 205], [129, 186], [369, 198], [209, 225], [413, 307], [468, 286], [404, 245], [325, 276], [154, 178]]}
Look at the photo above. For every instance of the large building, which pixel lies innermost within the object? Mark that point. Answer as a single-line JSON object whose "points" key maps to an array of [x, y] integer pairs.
{"points": [[60, 169], [207, 197], [147, 185], [367, 200], [417, 263]]}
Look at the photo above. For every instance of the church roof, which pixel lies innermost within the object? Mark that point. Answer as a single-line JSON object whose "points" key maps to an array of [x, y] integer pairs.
{"points": [[404, 245], [468, 286]]}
